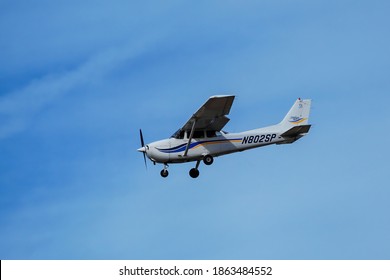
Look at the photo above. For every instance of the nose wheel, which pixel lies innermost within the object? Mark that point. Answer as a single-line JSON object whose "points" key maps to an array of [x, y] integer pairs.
{"points": [[164, 173]]}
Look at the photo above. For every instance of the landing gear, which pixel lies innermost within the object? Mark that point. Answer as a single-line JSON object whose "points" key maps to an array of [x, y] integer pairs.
{"points": [[194, 172], [164, 173], [208, 160]]}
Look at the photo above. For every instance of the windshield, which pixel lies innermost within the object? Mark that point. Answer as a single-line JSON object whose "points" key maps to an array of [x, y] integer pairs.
{"points": [[178, 134]]}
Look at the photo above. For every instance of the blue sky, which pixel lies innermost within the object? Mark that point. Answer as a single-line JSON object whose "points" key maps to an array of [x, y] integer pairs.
{"points": [[79, 78]]}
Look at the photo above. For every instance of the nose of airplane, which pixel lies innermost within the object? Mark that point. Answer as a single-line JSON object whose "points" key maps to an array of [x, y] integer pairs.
{"points": [[142, 150]]}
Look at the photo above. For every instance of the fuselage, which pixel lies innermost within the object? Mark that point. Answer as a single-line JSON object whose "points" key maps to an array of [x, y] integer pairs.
{"points": [[172, 150]]}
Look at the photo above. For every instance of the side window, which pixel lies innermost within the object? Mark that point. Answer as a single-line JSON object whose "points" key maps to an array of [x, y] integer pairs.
{"points": [[210, 134], [198, 134]]}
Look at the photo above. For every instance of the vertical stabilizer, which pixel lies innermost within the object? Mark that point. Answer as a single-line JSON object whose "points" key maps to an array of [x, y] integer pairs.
{"points": [[298, 114]]}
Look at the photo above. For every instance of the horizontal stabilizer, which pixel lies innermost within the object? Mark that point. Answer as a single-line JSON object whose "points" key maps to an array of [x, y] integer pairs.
{"points": [[296, 131]]}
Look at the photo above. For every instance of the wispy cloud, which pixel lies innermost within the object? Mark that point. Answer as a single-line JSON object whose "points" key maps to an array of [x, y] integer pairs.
{"points": [[17, 108]]}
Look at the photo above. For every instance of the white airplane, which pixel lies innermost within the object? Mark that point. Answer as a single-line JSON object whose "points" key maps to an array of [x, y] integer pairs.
{"points": [[202, 137]]}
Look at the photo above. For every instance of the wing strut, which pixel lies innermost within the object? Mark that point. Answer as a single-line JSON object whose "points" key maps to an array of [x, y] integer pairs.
{"points": [[190, 138]]}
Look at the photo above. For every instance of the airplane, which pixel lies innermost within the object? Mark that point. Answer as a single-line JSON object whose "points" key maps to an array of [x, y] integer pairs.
{"points": [[202, 139]]}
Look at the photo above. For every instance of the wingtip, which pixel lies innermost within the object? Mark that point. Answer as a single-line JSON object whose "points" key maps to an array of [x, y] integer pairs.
{"points": [[222, 96]]}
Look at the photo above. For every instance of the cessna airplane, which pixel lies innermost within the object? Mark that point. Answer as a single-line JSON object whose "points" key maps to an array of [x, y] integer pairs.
{"points": [[201, 138]]}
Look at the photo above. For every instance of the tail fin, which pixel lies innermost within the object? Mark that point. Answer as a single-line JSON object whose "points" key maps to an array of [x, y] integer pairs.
{"points": [[298, 114]]}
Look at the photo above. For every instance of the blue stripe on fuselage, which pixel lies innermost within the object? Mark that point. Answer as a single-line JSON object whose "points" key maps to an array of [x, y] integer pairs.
{"points": [[182, 147]]}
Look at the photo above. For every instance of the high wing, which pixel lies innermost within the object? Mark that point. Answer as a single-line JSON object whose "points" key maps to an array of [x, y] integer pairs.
{"points": [[212, 114]]}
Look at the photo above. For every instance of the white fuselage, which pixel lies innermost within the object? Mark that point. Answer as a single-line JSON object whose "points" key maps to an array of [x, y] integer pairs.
{"points": [[172, 150]]}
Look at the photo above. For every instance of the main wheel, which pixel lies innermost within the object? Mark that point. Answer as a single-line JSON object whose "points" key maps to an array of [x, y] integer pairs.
{"points": [[208, 160], [164, 173], [194, 173]]}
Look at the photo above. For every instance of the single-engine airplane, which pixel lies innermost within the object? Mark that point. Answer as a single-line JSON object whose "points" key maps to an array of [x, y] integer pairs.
{"points": [[202, 138]]}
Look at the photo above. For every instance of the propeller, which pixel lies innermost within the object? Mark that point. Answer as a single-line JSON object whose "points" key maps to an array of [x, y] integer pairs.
{"points": [[143, 149]]}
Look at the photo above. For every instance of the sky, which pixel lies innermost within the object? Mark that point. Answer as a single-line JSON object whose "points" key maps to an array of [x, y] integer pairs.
{"points": [[78, 79]]}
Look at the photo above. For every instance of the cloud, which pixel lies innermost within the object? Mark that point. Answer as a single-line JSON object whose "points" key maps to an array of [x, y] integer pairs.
{"points": [[18, 108]]}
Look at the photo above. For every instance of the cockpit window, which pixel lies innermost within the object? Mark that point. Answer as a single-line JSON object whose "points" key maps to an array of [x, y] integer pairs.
{"points": [[181, 134]]}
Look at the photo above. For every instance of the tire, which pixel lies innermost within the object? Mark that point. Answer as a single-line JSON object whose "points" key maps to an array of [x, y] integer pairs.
{"points": [[194, 173], [208, 160], [164, 173]]}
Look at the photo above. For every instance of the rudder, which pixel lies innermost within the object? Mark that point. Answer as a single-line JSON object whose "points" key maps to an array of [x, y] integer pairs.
{"points": [[298, 114]]}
